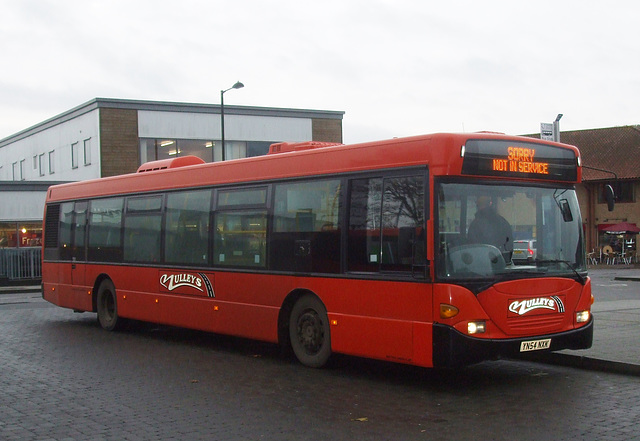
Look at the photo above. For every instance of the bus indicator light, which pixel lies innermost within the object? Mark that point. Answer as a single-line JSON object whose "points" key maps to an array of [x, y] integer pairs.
{"points": [[448, 311]]}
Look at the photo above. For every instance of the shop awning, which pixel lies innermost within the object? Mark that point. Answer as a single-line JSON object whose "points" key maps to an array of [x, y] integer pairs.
{"points": [[620, 228]]}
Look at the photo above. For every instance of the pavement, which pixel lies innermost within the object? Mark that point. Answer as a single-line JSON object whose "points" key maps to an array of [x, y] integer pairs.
{"points": [[616, 337]]}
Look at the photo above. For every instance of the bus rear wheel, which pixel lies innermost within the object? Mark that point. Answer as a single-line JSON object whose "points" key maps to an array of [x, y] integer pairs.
{"points": [[107, 306], [309, 332]]}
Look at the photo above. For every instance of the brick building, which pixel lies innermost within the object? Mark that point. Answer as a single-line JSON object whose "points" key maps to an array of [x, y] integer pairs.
{"points": [[610, 156]]}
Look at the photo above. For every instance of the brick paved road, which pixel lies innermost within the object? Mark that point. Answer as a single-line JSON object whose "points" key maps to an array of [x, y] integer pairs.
{"points": [[63, 378]]}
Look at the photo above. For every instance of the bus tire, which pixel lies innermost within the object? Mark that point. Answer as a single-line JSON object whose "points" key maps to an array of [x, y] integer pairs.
{"points": [[107, 306], [309, 332]]}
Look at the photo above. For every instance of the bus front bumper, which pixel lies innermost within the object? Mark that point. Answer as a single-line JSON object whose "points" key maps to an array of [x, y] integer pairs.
{"points": [[453, 349]]}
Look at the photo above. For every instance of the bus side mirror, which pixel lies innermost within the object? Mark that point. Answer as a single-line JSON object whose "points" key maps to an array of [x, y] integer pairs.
{"points": [[609, 196]]}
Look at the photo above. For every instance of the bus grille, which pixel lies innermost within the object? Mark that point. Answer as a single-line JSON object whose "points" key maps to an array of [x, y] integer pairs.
{"points": [[527, 325]]}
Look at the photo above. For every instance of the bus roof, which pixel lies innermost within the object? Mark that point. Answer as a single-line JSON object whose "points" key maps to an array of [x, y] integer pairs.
{"points": [[441, 152]]}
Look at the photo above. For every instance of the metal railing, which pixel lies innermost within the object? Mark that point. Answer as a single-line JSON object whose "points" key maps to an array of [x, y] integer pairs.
{"points": [[20, 263]]}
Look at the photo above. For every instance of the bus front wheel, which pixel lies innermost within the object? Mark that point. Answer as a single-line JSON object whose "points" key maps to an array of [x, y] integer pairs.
{"points": [[309, 332], [107, 306]]}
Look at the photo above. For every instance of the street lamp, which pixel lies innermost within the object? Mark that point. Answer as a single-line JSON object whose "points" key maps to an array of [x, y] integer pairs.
{"points": [[238, 85], [556, 128]]}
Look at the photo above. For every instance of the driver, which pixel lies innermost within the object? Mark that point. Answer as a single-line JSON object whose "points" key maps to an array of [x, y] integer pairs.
{"points": [[489, 227]]}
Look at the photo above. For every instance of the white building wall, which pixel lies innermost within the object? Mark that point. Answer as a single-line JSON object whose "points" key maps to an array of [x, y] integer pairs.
{"points": [[153, 124], [22, 205], [58, 139]]}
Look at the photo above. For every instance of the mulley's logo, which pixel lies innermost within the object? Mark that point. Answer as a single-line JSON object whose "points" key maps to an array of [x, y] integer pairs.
{"points": [[173, 281], [522, 307]]}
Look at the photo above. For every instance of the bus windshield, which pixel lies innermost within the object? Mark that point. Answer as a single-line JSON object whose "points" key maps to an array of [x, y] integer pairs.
{"points": [[489, 231]]}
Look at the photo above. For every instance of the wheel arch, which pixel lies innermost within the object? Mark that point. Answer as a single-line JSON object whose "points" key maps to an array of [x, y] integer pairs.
{"points": [[285, 314], [94, 292]]}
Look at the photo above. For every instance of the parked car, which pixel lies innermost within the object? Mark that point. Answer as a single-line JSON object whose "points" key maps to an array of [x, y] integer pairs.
{"points": [[524, 251]]}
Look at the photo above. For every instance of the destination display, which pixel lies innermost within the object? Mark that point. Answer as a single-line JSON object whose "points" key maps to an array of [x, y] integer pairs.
{"points": [[485, 157]]}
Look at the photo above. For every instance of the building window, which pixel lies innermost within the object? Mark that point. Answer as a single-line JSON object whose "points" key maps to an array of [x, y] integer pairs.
{"points": [[14, 170], [623, 191], [74, 155], [87, 151], [22, 171], [41, 165], [35, 162], [207, 150], [8, 235], [51, 162]]}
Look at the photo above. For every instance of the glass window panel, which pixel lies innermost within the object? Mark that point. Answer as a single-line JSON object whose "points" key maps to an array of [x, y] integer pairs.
{"points": [[307, 206], [489, 230], [403, 238], [258, 148], [364, 225], [41, 164], [8, 235], [66, 228], [74, 155], [249, 196], [51, 162], [87, 151], [105, 227], [240, 238], [235, 150], [147, 150], [306, 232], [142, 238], [200, 148], [30, 234], [187, 227], [167, 148], [144, 204]]}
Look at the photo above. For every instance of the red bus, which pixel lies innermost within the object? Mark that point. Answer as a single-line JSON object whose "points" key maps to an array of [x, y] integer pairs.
{"points": [[398, 250]]}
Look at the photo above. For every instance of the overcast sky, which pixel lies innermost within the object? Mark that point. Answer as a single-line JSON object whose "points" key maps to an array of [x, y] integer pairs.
{"points": [[396, 67]]}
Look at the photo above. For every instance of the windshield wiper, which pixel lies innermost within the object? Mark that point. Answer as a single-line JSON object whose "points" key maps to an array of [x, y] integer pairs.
{"points": [[566, 262]]}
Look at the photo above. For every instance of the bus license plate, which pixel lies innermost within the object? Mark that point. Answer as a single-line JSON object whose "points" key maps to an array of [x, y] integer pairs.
{"points": [[535, 345]]}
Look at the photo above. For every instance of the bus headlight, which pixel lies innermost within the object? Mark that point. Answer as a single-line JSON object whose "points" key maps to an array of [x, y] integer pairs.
{"points": [[583, 316], [476, 327]]}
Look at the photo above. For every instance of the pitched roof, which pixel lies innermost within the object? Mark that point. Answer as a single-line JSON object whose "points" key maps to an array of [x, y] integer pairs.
{"points": [[616, 149]]}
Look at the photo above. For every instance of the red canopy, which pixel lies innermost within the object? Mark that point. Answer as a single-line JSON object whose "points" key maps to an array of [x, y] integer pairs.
{"points": [[621, 228]]}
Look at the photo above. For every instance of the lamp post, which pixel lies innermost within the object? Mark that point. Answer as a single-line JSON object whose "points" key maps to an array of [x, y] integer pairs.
{"points": [[556, 128], [238, 85]]}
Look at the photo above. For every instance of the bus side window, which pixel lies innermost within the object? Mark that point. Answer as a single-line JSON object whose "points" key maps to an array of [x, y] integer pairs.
{"points": [[187, 227], [142, 229], [402, 220], [105, 228], [241, 238], [306, 231], [386, 224]]}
